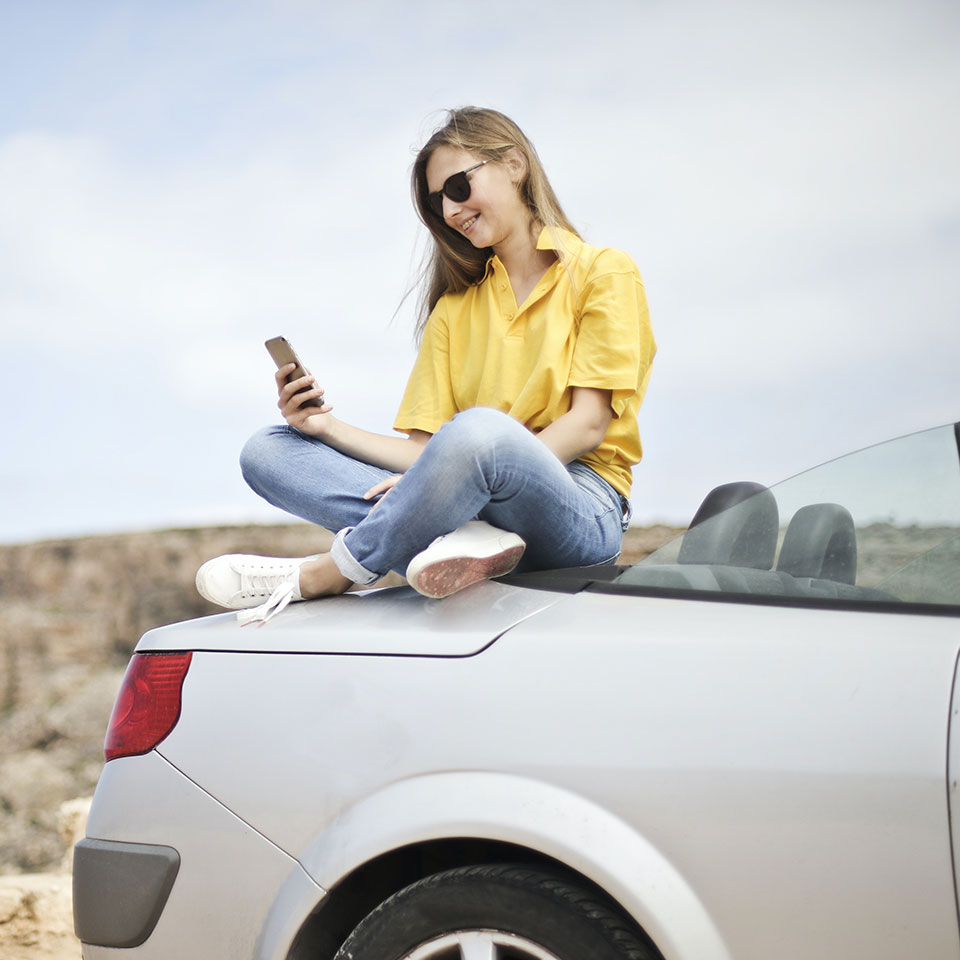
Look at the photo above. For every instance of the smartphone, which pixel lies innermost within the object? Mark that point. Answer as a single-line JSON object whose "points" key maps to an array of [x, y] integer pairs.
{"points": [[283, 353]]}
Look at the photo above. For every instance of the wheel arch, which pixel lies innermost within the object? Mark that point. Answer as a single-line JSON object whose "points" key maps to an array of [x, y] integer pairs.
{"points": [[347, 903], [418, 826]]}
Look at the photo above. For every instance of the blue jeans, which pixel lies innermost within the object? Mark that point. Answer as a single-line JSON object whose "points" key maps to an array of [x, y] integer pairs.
{"points": [[481, 464]]}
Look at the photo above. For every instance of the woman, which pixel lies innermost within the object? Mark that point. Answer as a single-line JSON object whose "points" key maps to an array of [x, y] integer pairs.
{"points": [[519, 415]]}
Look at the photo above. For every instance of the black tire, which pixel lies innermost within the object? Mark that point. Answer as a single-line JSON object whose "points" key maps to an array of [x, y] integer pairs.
{"points": [[514, 912]]}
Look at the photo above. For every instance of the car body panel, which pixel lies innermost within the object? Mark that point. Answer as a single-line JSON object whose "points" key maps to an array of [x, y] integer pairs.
{"points": [[230, 876], [953, 783], [831, 813], [386, 622], [538, 816]]}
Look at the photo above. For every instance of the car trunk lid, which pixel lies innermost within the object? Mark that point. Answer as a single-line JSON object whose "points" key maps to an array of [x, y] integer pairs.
{"points": [[395, 621]]}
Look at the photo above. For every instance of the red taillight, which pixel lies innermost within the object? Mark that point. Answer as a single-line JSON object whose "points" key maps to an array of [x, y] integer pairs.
{"points": [[148, 704]]}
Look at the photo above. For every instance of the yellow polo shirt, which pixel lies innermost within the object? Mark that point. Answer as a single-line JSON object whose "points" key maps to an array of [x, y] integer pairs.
{"points": [[586, 324]]}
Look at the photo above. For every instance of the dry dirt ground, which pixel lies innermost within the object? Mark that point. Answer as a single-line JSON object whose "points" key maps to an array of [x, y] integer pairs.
{"points": [[36, 913], [35, 918]]}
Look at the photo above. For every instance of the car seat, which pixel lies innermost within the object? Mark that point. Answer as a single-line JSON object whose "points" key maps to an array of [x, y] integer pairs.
{"points": [[736, 525], [821, 544]]}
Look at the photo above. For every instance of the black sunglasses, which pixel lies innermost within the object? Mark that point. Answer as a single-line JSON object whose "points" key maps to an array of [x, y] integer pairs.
{"points": [[456, 187]]}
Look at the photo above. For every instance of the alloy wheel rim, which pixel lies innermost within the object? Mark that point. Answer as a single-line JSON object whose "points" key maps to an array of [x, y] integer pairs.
{"points": [[480, 945]]}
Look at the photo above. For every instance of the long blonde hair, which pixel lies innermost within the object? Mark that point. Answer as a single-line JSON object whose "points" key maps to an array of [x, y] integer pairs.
{"points": [[453, 264]]}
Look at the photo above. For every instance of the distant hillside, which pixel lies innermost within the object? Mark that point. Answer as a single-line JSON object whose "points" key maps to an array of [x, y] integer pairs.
{"points": [[72, 612]]}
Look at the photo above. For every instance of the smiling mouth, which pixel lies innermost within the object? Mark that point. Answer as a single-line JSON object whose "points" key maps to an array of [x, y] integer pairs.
{"points": [[467, 224]]}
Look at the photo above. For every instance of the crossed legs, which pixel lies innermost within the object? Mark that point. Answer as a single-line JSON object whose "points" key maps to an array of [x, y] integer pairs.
{"points": [[482, 464]]}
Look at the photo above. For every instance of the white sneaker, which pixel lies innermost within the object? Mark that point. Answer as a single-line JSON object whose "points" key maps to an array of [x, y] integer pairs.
{"points": [[240, 581], [475, 551]]}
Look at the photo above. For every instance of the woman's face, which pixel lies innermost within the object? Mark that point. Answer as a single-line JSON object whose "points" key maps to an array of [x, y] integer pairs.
{"points": [[493, 212]]}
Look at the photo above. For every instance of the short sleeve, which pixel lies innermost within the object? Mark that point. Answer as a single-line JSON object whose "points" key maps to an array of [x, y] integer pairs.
{"points": [[428, 399], [615, 345]]}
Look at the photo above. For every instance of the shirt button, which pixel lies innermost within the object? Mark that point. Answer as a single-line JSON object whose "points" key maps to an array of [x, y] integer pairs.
{"points": [[510, 316]]}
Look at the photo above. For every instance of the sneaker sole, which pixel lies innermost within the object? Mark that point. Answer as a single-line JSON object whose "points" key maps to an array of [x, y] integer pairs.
{"points": [[444, 577]]}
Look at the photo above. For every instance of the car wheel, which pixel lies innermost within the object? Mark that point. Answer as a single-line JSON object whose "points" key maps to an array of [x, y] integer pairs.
{"points": [[494, 912]]}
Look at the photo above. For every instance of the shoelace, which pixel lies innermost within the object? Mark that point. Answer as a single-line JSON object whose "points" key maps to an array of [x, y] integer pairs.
{"points": [[277, 601], [262, 580]]}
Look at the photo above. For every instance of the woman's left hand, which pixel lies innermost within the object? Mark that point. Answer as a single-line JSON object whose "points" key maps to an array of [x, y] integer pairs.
{"points": [[381, 489]]}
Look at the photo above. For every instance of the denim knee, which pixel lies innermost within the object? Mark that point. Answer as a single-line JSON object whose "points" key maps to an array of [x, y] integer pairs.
{"points": [[480, 432], [260, 451]]}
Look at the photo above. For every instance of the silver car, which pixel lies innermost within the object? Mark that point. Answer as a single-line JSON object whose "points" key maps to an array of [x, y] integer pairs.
{"points": [[746, 747]]}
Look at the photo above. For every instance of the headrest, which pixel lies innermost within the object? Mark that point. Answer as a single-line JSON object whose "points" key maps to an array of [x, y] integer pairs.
{"points": [[821, 543], [736, 525]]}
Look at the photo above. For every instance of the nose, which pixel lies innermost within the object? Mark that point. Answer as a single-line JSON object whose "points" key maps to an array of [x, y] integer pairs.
{"points": [[450, 207]]}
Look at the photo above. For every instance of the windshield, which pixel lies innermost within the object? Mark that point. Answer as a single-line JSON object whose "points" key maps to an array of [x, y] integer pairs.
{"points": [[881, 524]]}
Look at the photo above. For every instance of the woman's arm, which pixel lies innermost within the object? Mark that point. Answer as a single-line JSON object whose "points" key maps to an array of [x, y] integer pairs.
{"points": [[582, 427], [396, 454]]}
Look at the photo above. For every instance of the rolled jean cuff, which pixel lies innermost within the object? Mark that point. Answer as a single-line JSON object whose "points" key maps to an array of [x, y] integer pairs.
{"points": [[348, 564]]}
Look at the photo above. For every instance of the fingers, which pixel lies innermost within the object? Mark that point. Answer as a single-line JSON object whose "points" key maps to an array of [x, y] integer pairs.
{"points": [[384, 487], [282, 373], [289, 388], [294, 394]]}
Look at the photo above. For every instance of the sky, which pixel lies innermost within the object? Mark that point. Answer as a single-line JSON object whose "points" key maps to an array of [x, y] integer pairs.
{"points": [[180, 181]]}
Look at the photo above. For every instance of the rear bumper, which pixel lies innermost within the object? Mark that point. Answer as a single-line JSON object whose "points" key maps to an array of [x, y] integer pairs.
{"points": [[167, 871], [120, 890]]}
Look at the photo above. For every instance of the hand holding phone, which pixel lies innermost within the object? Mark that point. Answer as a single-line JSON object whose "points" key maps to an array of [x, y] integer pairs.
{"points": [[283, 353]]}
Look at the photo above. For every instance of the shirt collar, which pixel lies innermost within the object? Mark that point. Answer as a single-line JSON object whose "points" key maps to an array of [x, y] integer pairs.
{"points": [[488, 269], [560, 240], [563, 242]]}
